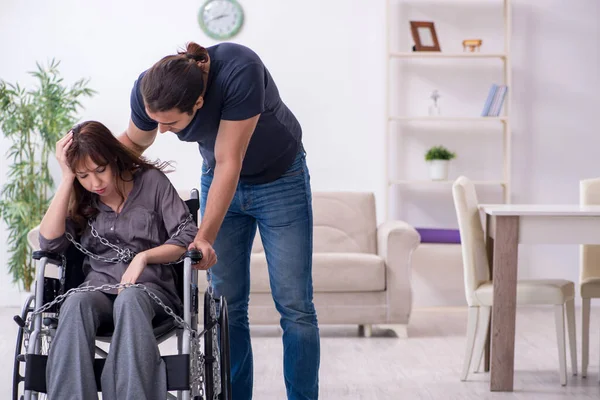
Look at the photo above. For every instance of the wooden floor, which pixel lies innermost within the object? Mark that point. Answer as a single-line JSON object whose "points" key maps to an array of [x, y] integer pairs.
{"points": [[384, 367]]}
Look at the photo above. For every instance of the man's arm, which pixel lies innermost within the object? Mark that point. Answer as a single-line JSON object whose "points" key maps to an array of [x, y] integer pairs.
{"points": [[230, 149], [137, 139]]}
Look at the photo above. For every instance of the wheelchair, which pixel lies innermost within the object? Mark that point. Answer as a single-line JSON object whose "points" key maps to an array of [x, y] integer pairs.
{"points": [[199, 371]]}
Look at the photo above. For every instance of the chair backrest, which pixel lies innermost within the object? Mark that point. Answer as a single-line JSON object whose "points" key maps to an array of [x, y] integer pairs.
{"points": [[475, 261], [589, 194], [343, 222]]}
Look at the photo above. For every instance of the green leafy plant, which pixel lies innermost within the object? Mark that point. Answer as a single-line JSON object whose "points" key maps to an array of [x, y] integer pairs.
{"points": [[439, 153], [33, 120]]}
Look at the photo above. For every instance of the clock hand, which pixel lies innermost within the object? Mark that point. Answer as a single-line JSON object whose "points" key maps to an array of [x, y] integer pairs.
{"points": [[217, 17]]}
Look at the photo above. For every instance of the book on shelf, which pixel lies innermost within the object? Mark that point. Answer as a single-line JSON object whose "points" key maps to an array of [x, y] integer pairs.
{"points": [[495, 100]]}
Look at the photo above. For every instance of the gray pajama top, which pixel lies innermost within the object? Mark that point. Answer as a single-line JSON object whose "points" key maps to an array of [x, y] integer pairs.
{"points": [[150, 216]]}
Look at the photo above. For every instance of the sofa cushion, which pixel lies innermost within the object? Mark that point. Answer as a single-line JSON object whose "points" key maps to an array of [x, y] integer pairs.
{"points": [[344, 222], [332, 272]]}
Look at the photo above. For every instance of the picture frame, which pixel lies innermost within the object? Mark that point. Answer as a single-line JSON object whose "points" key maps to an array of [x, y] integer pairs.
{"points": [[424, 36]]}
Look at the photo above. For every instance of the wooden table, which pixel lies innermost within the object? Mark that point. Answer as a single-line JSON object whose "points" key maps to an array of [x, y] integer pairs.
{"points": [[507, 226]]}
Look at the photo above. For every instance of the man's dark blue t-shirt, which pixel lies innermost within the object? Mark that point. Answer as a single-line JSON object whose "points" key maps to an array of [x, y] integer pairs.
{"points": [[239, 87]]}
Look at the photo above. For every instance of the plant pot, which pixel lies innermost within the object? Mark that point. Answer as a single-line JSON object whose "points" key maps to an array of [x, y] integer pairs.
{"points": [[438, 170]]}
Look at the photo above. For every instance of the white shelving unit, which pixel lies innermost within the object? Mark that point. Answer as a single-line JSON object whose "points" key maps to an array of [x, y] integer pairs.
{"points": [[504, 119], [432, 54], [448, 119]]}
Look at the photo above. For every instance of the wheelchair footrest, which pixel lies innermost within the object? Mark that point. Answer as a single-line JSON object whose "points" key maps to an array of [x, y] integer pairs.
{"points": [[35, 372], [177, 368], [178, 371]]}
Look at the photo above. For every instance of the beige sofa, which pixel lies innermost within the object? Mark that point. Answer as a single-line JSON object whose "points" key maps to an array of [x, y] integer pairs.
{"points": [[361, 271]]}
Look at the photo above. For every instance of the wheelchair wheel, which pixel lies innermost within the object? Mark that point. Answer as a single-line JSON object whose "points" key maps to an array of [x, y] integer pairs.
{"points": [[225, 353], [19, 350], [20, 366], [209, 360]]}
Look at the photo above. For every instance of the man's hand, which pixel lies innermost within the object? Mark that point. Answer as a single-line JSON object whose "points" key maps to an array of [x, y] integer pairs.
{"points": [[133, 272], [209, 257]]}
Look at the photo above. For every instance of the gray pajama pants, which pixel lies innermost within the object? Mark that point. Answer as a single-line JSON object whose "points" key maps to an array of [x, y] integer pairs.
{"points": [[133, 368]]}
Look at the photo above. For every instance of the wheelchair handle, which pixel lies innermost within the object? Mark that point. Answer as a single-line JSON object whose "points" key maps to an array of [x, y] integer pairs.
{"points": [[54, 258], [195, 255]]}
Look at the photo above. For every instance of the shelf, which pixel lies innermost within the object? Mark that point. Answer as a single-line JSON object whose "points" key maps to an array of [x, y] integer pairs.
{"points": [[449, 119], [404, 120], [436, 54], [445, 182]]}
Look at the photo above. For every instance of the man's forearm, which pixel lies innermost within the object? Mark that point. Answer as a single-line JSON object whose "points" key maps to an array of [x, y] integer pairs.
{"points": [[136, 148], [220, 194]]}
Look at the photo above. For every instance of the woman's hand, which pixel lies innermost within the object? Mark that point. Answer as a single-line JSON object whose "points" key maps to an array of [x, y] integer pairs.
{"points": [[61, 155], [133, 272]]}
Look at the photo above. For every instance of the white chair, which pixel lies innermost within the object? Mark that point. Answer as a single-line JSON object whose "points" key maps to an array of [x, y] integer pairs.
{"points": [[589, 283], [479, 288]]}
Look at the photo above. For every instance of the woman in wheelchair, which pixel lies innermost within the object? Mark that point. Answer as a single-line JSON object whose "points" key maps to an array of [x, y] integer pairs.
{"points": [[108, 192]]}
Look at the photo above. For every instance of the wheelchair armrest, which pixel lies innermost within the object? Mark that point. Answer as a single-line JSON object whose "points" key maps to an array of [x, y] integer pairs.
{"points": [[53, 258], [195, 255]]}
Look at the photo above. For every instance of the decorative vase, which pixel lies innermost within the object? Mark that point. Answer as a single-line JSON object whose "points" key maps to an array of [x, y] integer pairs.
{"points": [[434, 108], [438, 170]]}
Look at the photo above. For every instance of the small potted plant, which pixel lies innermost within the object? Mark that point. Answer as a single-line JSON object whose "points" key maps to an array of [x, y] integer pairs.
{"points": [[438, 158]]}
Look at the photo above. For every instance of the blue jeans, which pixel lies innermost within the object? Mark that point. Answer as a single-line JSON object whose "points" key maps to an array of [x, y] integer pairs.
{"points": [[282, 210]]}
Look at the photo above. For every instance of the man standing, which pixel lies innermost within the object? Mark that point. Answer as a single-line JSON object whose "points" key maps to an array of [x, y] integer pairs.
{"points": [[254, 174]]}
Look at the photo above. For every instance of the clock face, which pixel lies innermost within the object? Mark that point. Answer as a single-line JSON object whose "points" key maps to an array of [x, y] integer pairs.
{"points": [[221, 19]]}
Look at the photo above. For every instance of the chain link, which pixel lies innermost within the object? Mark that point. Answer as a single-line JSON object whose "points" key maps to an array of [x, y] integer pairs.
{"points": [[215, 344], [215, 350], [124, 255], [197, 359]]}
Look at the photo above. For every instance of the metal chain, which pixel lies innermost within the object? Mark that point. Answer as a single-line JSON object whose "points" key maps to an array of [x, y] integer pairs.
{"points": [[182, 225], [124, 255], [84, 289], [209, 279], [215, 351], [214, 338], [196, 356], [196, 368]]}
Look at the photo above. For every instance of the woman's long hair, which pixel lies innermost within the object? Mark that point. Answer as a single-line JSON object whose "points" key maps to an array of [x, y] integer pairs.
{"points": [[94, 140]]}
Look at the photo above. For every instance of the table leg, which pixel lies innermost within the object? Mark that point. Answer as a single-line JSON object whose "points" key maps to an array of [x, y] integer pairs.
{"points": [[489, 242], [505, 303]]}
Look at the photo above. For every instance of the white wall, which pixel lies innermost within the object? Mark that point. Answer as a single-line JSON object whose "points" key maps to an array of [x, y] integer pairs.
{"points": [[328, 59], [556, 114]]}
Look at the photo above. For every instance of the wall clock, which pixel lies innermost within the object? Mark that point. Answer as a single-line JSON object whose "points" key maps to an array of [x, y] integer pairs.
{"points": [[221, 19]]}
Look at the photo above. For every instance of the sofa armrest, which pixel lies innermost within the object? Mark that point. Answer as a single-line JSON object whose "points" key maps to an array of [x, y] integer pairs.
{"points": [[396, 242]]}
